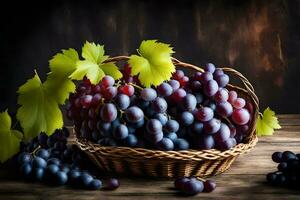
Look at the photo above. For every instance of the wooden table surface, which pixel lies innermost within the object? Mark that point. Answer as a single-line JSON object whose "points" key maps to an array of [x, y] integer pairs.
{"points": [[244, 180]]}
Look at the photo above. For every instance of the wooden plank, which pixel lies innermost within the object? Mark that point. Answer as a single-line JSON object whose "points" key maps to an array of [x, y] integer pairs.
{"points": [[289, 119], [228, 187]]}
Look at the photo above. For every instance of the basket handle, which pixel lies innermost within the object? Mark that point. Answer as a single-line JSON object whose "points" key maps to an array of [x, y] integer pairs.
{"points": [[176, 62]]}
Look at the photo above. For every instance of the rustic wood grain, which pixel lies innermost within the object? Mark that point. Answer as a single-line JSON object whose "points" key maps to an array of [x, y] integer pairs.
{"points": [[244, 180]]}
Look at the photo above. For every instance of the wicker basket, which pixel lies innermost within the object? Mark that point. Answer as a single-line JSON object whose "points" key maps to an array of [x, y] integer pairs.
{"points": [[170, 164]]}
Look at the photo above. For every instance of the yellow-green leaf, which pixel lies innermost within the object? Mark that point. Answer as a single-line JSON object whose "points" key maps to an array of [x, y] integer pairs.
{"points": [[39, 111], [92, 66], [93, 52], [59, 87], [266, 124], [154, 65], [9, 139], [63, 64], [111, 69], [58, 83], [89, 69]]}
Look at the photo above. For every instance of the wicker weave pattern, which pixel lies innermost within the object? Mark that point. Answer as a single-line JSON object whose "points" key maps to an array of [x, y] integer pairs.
{"points": [[156, 163]]}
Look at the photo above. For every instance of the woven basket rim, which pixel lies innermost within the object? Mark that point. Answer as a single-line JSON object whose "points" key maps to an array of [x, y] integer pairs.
{"points": [[191, 154]]}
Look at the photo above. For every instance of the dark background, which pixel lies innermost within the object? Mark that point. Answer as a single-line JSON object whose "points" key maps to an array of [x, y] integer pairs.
{"points": [[261, 39]]}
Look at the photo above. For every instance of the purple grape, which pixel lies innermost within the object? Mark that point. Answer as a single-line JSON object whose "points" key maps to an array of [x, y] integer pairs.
{"points": [[154, 126], [189, 102], [212, 126], [148, 94], [122, 101], [222, 80], [134, 114], [224, 109], [112, 184], [209, 67], [120, 132], [186, 118], [211, 88], [205, 142], [223, 133], [171, 126], [159, 105], [165, 144], [164, 89], [209, 186], [204, 114], [108, 112]]}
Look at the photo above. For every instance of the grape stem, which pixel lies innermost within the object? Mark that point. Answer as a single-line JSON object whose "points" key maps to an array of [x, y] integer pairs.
{"points": [[35, 150], [227, 120], [136, 86]]}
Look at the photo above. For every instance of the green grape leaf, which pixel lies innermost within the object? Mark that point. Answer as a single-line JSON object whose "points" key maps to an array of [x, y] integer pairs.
{"points": [[39, 111], [62, 65], [92, 66], [154, 65], [9, 139], [266, 124]]}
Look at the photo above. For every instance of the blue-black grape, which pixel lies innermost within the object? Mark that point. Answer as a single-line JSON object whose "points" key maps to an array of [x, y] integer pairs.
{"points": [[120, 132], [61, 178], [38, 162], [172, 136], [165, 144], [172, 126], [38, 174], [180, 182], [287, 155], [24, 157], [181, 144], [95, 184], [54, 161], [205, 142], [52, 169], [161, 117], [85, 179], [43, 139], [197, 129], [43, 153], [155, 137], [131, 140], [277, 157], [26, 169], [186, 118], [192, 187], [154, 126]]}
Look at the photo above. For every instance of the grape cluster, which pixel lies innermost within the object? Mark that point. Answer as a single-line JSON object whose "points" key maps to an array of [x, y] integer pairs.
{"points": [[288, 170], [192, 186], [52, 161], [185, 112]]}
